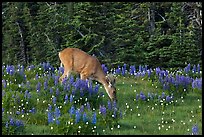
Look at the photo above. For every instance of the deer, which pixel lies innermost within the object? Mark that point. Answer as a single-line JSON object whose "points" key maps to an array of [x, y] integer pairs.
{"points": [[77, 61]]}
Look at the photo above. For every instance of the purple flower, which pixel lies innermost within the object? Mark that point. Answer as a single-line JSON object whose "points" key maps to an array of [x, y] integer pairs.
{"points": [[51, 90], [195, 130], [18, 112], [36, 76], [4, 83], [82, 108], [102, 109], [85, 119], [56, 78], [72, 111], [194, 69], [132, 70], [168, 98], [50, 117], [45, 85], [105, 69], [109, 105], [66, 98], [88, 106], [19, 123], [54, 100], [198, 68], [77, 116], [142, 96], [163, 95], [12, 122], [57, 112], [38, 86], [94, 118], [57, 92], [71, 98], [57, 122]]}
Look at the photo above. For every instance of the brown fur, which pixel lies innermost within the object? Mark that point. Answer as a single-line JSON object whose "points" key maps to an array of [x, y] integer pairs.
{"points": [[78, 61]]}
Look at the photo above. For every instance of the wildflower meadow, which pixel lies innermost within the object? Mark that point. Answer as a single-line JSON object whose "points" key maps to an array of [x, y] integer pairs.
{"points": [[149, 101]]}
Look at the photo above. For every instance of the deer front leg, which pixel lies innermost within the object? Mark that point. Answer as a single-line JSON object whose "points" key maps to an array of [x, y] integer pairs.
{"points": [[84, 76], [66, 74]]}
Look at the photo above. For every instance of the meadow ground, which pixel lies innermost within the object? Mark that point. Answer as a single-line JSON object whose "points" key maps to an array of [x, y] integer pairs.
{"points": [[139, 117]]}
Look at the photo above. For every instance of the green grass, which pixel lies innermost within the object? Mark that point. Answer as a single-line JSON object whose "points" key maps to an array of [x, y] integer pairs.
{"points": [[147, 117]]}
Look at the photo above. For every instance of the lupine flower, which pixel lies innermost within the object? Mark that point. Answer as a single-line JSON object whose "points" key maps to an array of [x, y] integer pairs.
{"points": [[88, 106], [117, 71], [105, 69], [102, 110], [57, 122], [109, 105], [12, 122], [163, 95], [77, 116], [7, 124], [22, 111], [54, 100], [82, 108], [197, 83], [195, 130], [94, 118], [150, 95], [149, 73], [114, 104], [51, 90], [57, 92], [4, 83], [61, 69], [123, 71], [71, 80], [72, 111], [85, 119], [38, 86], [45, 85], [26, 94], [28, 84], [50, 117], [56, 80], [49, 107], [132, 70], [57, 112], [33, 110], [36, 76], [194, 69], [71, 98], [96, 89], [18, 112], [142, 96], [198, 68], [168, 98], [19, 123], [66, 98]]}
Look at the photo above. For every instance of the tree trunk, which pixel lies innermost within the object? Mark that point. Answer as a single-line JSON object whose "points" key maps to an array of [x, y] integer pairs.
{"points": [[151, 17], [22, 45]]}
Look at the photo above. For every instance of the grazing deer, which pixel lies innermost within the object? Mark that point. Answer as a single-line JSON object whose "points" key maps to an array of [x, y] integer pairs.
{"points": [[78, 61]]}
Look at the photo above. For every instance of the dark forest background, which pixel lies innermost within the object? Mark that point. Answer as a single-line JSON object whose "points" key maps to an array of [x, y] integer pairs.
{"points": [[166, 34]]}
